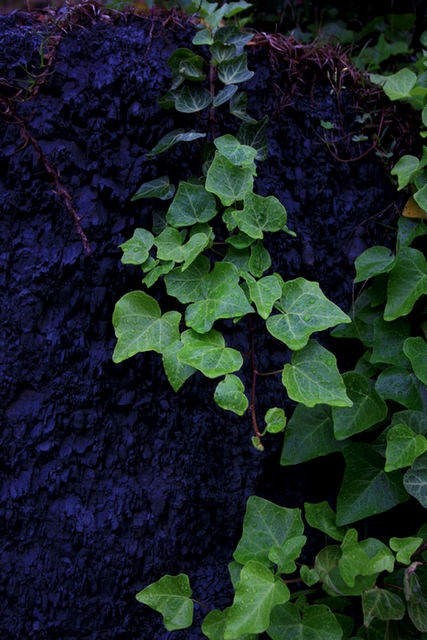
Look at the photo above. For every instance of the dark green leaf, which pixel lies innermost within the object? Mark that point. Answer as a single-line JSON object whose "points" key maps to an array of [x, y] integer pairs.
{"points": [[403, 447], [229, 395], [158, 188], [382, 604], [321, 516], [372, 262], [416, 350], [203, 37], [398, 384], [176, 371], [227, 181], [192, 98], [223, 52], [316, 622], [191, 204], [224, 95], [415, 480], [260, 215], [255, 135], [407, 282], [388, 341], [238, 106]]}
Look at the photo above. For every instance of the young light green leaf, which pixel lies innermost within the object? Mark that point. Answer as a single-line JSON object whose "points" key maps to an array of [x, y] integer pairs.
{"points": [[239, 154], [221, 51], [171, 139], [255, 135], [191, 204], [159, 270], [222, 298], [256, 594], [366, 488], [322, 516], [240, 241], [176, 371], [234, 71], [403, 447], [407, 282], [192, 98], [170, 247], [309, 434], [266, 525], [416, 350], [309, 576], [238, 106], [203, 37], [420, 196], [284, 557], [368, 407], [275, 419], [327, 567], [372, 262], [397, 86], [215, 623], [158, 188], [224, 95], [135, 250], [405, 547], [388, 341], [415, 480], [140, 326], [208, 353], [229, 395], [400, 385], [365, 558], [227, 181], [236, 7], [304, 310], [313, 378], [405, 168], [382, 604], [189, 285], [171, 596], [259, 215], [317, 622], [213, 20], [260, 259], [264, 293]]}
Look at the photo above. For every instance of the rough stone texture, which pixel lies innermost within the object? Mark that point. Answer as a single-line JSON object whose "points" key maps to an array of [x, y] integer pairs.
{"points": [[110, 479]]}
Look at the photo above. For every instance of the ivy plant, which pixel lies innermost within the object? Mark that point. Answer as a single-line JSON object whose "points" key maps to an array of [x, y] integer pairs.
{"points": [[208, 249]]}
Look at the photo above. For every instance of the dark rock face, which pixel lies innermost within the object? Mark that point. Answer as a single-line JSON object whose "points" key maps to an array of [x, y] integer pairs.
{"points": [[110, 479]]}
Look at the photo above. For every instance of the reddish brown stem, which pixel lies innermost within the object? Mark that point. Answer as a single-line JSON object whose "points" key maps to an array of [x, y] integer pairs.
{"points": [[254, 375]]}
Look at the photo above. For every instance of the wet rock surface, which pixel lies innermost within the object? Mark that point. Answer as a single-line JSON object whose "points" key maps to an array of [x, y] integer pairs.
{"points": [[109, 478]]}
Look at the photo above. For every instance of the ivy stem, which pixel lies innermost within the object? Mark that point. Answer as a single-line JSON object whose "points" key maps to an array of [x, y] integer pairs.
{"points": [[269, 373], [421, 548], [254, 375], [387, 584], [200, 604]]}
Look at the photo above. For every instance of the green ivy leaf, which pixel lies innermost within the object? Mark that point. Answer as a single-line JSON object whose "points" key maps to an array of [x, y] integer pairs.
{"points": [[259, 215], [266, 525], [313, 378], [234, 71], [192, 98], [260, 260], [372, 262], [221, 51], [364, 558], [275, 419], [416, 595], [239, 154], [140, 326], [222, 298], [236, 7], [215, 623], [191, 69], [388, 341], [317, 622], [309, 434], [256, 594], [229, 395], [238, 106], [233, 35], [191, 204], [327, 567], [264, 293], [408, 230], [366, 488], [171, 596], [304, 310], [397, 86], [224, 95], [189, 285], [405, 168], [368, 407], [208, 353], [284, 557], [176, 371], [407, 282], [171, 139], [382, 604], [322, 517], [158, 188], [405, 547], [154, 274], [203, 37], [400, 385], [255, 135], [227, 181], [415, 480], [169, 246], [403, 447], [416, 350], [309, 576], [135, 250]]}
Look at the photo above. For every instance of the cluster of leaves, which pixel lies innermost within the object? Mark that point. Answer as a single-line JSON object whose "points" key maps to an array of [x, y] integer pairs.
{"points": [[265, 563], [208, 250]]}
